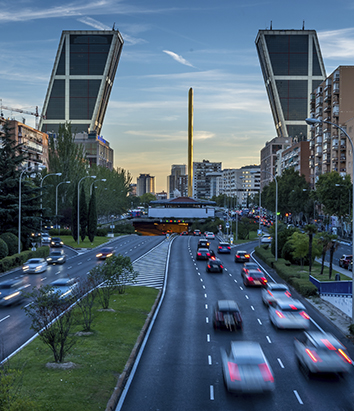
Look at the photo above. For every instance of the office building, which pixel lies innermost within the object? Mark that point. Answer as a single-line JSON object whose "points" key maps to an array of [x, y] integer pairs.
{"points": [[177, 181], [204, 178], [82, 79], [145, 184], [292, 67], [332, 101]]}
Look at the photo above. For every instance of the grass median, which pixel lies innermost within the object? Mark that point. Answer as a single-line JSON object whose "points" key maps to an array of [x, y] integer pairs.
{"points": [[99, 358], [69, 241]]}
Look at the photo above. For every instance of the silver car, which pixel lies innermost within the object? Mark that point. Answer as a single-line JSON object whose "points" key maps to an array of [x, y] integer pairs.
{"points": [[11, 292], [246, 369], [35, 266], [289, 313], [319, 352], [64, 287], [274, 291]]}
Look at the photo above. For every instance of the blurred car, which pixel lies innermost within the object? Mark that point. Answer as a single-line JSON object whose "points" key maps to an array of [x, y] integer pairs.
{"points": [[274, 291], [56, 257], [246, 369], [345, 261], [241, 256], [266, 239], [250, 266], [64, 287], [289, 313], [203, 243], [214, 265], [197, 232], [224, 248], [35, 265], [253, 278], [45, 238], [320, 352], [210, 236], [105, 252], [184, 233], [56, 242], [203, 254], [227, 315], [11, 292]]}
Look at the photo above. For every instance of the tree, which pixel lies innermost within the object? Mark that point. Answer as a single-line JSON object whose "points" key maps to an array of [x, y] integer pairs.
{"points": [[300, 245], [92, 216], [333, 247], [85, 295], [83, 213], [310, 229], [146, 198], [52, 319], [325, 242]]}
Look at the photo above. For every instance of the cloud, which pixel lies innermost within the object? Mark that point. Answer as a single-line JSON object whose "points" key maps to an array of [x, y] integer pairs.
{"points": [[94, 23], [337, 44], [178, 58]]}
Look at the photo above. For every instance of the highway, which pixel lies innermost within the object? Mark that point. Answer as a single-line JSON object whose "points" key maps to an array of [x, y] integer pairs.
{"points": [[15, 325], [180, 367]]}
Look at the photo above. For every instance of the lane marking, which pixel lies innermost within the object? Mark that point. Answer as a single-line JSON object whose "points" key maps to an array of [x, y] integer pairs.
{"points": [[207, 320], [280, 363], [206, 306], [208, 337], [5, 318], [209, 360], [205, 295], [212, 392], [79, 263], [269, 340], [298, 397], [252, 308], [44, 278], [203, 287], [247, 296], [260, 322]]}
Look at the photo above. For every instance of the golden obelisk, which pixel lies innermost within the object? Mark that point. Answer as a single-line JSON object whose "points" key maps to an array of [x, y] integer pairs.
{"points": [[190, 143]]}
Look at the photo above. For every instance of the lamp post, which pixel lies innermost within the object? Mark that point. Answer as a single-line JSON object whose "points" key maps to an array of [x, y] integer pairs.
{"points": [[56, 200], [312, 122], [78, 207], [102, 179], [52, 174]]}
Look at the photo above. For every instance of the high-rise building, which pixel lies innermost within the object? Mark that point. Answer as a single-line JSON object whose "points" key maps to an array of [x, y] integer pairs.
{"points": [[292, 67], [177, 181], [332, 101], [145, 184], [81, 81], [204, 178]]}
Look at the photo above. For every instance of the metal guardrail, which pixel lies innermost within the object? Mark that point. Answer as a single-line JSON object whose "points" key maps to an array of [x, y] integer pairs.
{"points": [[332, 287]]}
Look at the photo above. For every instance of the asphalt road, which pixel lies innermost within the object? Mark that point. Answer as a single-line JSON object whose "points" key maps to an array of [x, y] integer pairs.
{"points": [[15, 325], [180, 367]]}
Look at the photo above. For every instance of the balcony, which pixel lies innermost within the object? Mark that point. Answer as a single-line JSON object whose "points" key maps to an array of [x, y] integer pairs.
{"points": [[318, 141], [335, 159], [327, 97], [336, 89], [342, 158], [343, 170]]}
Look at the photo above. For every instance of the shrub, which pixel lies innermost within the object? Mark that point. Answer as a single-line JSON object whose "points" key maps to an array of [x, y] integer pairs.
{"points": [[4, 251], [55, 232], [102, 232], [304, 286], [351, 329], [124, 229], [12, 242]]}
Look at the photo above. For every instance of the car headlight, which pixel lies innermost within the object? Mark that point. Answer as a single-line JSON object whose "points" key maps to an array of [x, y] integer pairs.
{"points": [[60, 259], [99, 255], [49, 259], [38, 268], [8, 297]]}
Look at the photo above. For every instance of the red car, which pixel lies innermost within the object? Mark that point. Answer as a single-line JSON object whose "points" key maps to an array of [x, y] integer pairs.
{"points": [[254, 278]]}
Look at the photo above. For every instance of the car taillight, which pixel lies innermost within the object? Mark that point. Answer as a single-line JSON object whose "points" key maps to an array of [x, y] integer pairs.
{"points": [[313, 355], [213, 258], [209, 266], [287, 294], [219, 248], [229, 248], [328, 344], [305, 315], [344, 355], [266, 373], [292, 307], [199, 253], [237, 256], [208, 254], [279, 314], [250, 278], [264, 280], [234, 371], [247, 256], [221, 266]]}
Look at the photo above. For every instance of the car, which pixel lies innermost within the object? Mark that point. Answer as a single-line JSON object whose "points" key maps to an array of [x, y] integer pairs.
{"points": [[56, 242], [224, 248], [253, 278], [289, 313], [56, 257], [64, 287], [227, 315], [104, 253], [210, 236], [250, 266], [266, 239], [35, 266], [184, 233], [319, 352], [241, 256], [214, 264], [203, 243], [345, 261], [246, 369], [11, 292], [203, 254], [45, 238], [197, 232], [273, 291]]}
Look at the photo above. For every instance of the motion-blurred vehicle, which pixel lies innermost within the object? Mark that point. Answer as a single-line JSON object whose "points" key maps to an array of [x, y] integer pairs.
{"points": [[224, 248], [56, 257], [266, 239], [184, 233], [56, 242], [104, 253], [246, 369], [64, 287], [210, 236], [320, 352], [227, 315], [45, 239], [203, 243], [250, 266], [241, 256], [289, 313], [345, 261], [197, 232], [253, 278], [11, 292], [214, 265], [35, 266], [203, 254], [274, 291]]}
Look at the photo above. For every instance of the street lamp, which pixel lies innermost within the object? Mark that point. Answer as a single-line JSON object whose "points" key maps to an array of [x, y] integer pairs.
{"points": [[78, 207], [102, 179], [312, 122], [56, 200], [41, 185]]}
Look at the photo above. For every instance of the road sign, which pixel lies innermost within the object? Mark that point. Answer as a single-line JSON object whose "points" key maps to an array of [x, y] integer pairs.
{"points": [[227, 225], [259, 232]]}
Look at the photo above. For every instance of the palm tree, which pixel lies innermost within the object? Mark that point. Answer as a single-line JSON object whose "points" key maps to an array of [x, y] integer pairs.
{"points": [[325, 240], [333, 248], [310, 229]]}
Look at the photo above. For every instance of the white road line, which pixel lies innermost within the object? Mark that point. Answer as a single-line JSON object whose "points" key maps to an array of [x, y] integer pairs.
{"points": [[79, 263], [89, 259], [280, 363], [58, 272], [201, 280], [241, 288], [298, 397], [207, 320], [247, 296], [44, 278], [226, 270], [5, 318], [230, 274], [203, 287], [252, 307], [205, 295], [69, 267], [208, 337], [206, 306], [269, 340], [212, 392], [209, 360], [198, 273], [235, 281], [260, 322]]}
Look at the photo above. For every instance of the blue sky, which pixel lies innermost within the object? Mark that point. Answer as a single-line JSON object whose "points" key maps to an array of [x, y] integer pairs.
{"points": [[169, 47]]}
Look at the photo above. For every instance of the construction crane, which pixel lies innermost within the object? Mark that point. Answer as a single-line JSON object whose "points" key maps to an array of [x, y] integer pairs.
{"points": [[18, 110]]}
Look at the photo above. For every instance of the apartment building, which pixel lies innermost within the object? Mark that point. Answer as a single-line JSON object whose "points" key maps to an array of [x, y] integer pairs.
{"points": [[204, 178], [145, 184], [177, 181], [297, 157]]}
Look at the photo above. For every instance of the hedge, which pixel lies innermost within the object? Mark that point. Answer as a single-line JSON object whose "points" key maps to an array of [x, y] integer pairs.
{"points": [[17, 260]]}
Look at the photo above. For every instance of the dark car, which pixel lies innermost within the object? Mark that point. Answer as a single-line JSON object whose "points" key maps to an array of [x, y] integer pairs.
{"points": [[203, 243], [197, 232], [105, 252], [11, 292], [56, 257], [227, 315], [224, 248], [56, 242], [184, 233], [254, 278], [214, 265], [241, 256], [345, 261], [203, 254]]}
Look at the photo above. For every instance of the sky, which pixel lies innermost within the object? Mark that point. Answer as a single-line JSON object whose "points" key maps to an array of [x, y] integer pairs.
{"points": [[169, 47]]}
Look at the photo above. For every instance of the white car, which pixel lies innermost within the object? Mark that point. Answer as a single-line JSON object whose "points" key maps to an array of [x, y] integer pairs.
{"points": [[289, 313], [35, 265], [210, 236], [65, 287], [274, 291], [266, 239]]}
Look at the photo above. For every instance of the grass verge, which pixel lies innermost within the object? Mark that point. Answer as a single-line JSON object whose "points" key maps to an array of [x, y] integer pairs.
{"points": [[99, 358], [69, 241]]}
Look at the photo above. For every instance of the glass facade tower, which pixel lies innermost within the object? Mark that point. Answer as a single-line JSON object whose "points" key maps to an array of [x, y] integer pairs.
{"points": [[292, 67], [81, 80]]}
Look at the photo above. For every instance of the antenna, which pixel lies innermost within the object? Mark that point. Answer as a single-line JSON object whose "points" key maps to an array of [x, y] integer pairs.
{"points": [[113, 26], [303, 24], [271, 25]]}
